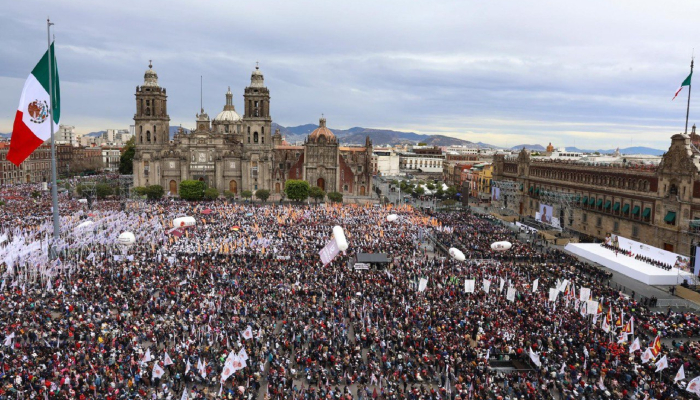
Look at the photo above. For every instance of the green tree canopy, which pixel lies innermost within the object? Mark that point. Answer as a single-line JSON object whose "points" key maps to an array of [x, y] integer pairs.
{"points": [[246, 194], [296, 190], [126, 161], [335, 197], [192, 190], [155, 192], [316, 193], [211, 193], [262, 194], [102, 190]]}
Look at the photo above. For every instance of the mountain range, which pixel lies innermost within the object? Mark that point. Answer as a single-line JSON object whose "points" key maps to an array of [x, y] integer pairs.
{"points": [[379, 137], [627, 150]]}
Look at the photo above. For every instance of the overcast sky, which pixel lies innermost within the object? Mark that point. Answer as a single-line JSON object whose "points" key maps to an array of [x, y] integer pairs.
{"points": [[595, 74]]}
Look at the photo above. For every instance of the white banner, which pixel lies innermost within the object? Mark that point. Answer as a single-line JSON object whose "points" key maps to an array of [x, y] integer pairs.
{"points": [[329, 252], [535, 284], [655, 253], [592, 307], [585, 294], [510, 295], [422, 284], [553, 293], [487, 285], [469, 285]]}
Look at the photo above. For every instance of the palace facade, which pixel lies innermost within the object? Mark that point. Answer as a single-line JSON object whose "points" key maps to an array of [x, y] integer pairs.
{"points": [[657, 205]]}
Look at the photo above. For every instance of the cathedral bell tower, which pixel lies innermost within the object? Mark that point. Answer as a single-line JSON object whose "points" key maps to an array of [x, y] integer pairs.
{"points": [[151, 120], [152, 130], [256, 98]]}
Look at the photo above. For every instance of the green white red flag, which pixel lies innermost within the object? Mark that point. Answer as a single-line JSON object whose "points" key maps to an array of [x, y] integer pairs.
{"points": [[32, 126], [686, 82]]}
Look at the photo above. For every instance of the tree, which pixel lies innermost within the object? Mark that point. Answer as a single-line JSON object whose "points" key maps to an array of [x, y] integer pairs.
{"points": [[430, 186], [246, 194], [262, 194], [451, 192], [317, 193], [211, 193], [419, 191], [36, 194], [155, 192], [102, 190], [296, 190], [126, 161], [335, 197], [229, 194], [192, 190], [439, 193], [139, 190]]}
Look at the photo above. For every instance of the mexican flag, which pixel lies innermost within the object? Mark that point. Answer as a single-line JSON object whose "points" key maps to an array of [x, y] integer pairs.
{"points": [[32, 126], [686, 82]]}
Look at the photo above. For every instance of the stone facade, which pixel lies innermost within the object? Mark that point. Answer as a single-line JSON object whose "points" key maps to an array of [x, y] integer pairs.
{"points": [[236, 153], [654, 205]]}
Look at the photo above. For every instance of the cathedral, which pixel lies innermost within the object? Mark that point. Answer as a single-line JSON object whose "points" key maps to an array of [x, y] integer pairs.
{"points": [[236, 152]]}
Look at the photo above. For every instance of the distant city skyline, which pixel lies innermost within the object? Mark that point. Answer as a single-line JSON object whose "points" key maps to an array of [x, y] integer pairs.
{"points": [[593, 75]]}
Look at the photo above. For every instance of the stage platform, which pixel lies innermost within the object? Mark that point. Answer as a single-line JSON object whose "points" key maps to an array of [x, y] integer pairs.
{"points": [[628, 266]]}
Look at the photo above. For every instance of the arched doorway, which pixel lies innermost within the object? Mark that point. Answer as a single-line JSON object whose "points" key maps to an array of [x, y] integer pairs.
{"points": [[362, 190], [277, 187], [321, 183], [173, 187], [233, 187]]}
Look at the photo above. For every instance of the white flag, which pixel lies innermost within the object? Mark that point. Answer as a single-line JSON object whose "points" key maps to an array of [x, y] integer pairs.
{"points": [[510, 295], [147, 357], [167, 360], [8, 339], [694, 386], [242, 354], [487, 285], [553, 294], [635, 346], [422, 284], [662, 364], [469, 285], [647, 356], [503, 283], [585, 294], [187, 366], [228, 371], [184, 394], [535, 357], [535, 284], [247, 333], [157, 371], [680, 375]]}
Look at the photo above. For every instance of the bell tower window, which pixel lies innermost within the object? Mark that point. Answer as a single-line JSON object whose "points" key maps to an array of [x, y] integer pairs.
{"points": [[255, 137], [148, 111], [148, 136]]}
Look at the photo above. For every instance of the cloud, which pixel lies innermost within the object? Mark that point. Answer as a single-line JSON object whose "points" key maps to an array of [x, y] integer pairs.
{"points": [[508, 72]]}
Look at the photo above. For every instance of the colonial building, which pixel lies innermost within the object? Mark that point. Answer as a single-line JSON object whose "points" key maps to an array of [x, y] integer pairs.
{"points": [[657, 205], [239, 152], [37, 167]]}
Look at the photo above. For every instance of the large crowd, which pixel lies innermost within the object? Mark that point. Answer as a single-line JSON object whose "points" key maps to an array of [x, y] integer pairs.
{"points": [[163, 318]]}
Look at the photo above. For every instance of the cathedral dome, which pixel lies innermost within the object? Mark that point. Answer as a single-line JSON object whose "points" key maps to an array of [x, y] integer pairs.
{"points": [[150, 78], [227, 116], [256, 78], [229, 113], [321, 132]]}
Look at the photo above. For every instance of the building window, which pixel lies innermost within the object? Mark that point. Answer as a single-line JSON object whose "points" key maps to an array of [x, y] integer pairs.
{"points": [[584, 217], [635, 231], [616, 226], [599, 221], [255, 137]]}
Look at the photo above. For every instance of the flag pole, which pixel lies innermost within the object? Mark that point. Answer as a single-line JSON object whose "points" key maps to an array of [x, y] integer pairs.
{"points": [[687, 111], [54, 189]]}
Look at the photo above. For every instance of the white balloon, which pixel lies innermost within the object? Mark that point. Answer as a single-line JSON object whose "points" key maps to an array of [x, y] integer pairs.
{"points": [[500, 246], [183, 221], [457, 254], [84, 201], [84, 224], [340, 239], [126, 238], [392, 217]]}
